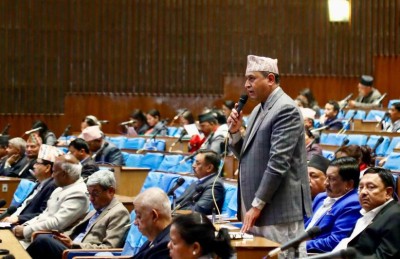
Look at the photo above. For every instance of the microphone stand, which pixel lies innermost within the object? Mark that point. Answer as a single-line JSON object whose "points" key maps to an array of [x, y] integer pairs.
{"points": [[173, 195]]}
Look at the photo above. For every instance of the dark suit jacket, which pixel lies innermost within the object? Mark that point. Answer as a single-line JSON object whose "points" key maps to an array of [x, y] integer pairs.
{"points": [[21, 169], [89, 166], [109, 154], [158, 249], [273, 163], [39, 203], [206, 203], [382, 237]]}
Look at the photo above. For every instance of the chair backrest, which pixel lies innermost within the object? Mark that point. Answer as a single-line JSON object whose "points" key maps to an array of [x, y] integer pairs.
{"points": [[171, 131], [381, 149], [151, 160], [393, 161], [24, 188], [228, 208], [185, 167], [359, 116], [134, 143], [118, 141], [134, 239], [169, 163], [125, 156], [357, 139], [328, 154], [323, 137], [374, 114], [134, 160], [160, 180], [155, 144], [334, 139], [393, 143]]}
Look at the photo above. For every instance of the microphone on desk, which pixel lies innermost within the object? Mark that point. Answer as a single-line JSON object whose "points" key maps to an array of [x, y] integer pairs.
{"points": [[347, 253], [180, 113], [127, 122], [32, 130], [5, 130], [343, 103], [178, 184], [8, 212], [183, 133], [164, 126], [189, 157], [383, 119], [103, 121], [2, 203], [242, 101], [309, 234], [344, 143], [9, 256], [196, 196], [377, 102], [66, 132]]}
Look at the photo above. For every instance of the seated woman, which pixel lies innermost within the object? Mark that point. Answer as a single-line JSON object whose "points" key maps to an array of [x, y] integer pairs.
{"points": [[48, 137], [193, 236], [140, 122], [362, 154], [156, 126], [337, 210]]}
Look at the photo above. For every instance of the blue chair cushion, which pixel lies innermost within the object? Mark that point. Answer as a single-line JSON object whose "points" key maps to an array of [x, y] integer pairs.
{"points": [[357, 139], [393, 161], [373, 114], [169, 163], [393, 144], [151, 160], [24, 188], [381, 149], [230, 192], [134, 160], [134, 143]]}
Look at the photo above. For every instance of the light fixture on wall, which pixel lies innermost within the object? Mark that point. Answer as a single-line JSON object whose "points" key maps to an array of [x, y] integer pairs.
{"points": [[339, 10]]}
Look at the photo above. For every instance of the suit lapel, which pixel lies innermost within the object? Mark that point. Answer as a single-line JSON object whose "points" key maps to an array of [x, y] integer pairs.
{"points": [[255, 123]]}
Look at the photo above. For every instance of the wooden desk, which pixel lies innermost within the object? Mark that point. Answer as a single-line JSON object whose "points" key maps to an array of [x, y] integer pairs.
{"points": [[10, 242], [363, 125], [130, 180], [258, 247], [10, 184]]}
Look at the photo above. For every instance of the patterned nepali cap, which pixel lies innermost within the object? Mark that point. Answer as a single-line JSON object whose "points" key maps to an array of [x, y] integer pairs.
{"points": [[257, 64]]}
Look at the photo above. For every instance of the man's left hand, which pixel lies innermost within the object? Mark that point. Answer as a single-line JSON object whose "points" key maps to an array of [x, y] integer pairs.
{"points": [[19, 231], [66, 240], [250, 218]]}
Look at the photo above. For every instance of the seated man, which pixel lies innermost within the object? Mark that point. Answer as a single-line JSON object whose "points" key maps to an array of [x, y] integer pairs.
{"points": [[376, 233], [335, 211], [80, 149], [214, 135], [102, 151], [330, 117], [17, 163], [3, 149], [394, 114], [153, 219], [36, 202], [368, 95], [205, 168], [103, 227], [66, 205], [317, 174]]}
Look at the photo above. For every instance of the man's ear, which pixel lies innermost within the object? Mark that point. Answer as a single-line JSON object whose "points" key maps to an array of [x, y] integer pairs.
{"points": [[271, 77], [389, 192], [154, 214]]}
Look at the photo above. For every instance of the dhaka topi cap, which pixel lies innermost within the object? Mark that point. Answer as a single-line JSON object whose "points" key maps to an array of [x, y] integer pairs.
{"points": [[257, 64], [366, 80]]}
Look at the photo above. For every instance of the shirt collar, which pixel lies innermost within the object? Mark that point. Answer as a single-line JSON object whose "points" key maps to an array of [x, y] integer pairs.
{"points": [[375, 211]]}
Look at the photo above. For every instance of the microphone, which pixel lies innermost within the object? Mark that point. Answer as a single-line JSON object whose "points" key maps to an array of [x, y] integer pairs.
{"points": [[309, 234], [345, 123], [242, 101], [66, 131], [159, 129], [383, 119], [344, 143], [103, 121], [189, 157], [179, 114], [8, 212], [348, 253], [378, 142], [178, 183], [32, 130], [380, 99], [127, 122], [2, 203], [196, 196], [343, 102], [5, 130], [183, 133]]}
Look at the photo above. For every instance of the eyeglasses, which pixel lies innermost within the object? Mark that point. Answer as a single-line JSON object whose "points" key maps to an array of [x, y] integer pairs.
{"points": [[40, 163], [95, 194]]}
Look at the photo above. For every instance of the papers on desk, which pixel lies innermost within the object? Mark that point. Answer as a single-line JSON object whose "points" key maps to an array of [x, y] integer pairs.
{"points": [[5, 225], [239, 235]]}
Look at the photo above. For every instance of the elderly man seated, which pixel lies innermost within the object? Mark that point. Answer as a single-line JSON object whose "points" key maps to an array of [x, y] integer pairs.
{"points": [[377, 233], [66, 205], [103, 227]]}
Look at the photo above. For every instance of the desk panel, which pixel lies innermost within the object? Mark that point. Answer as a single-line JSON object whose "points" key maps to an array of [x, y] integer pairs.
{"points": [[10, 242], [8, 185]]}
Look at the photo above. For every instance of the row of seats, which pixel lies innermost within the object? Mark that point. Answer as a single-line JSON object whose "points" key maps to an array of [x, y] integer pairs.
{"points": [[158, 161], [384, 149], [123, 142]]}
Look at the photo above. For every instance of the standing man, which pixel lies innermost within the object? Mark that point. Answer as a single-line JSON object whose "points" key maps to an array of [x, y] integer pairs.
{"points": [[274, 192], [369, 97]]}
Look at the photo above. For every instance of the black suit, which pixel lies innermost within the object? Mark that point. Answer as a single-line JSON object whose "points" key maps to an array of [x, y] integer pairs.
{"points": [[89, 167], [39, 203], [20, 169], [157, 249], [382, 237], [206, 203]]}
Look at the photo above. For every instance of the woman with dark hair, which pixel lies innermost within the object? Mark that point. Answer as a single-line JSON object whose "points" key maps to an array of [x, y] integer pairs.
{"points": [[193, 236], [362, 154], [47, 136], [312, 103], [140, 122], [156, 126]]}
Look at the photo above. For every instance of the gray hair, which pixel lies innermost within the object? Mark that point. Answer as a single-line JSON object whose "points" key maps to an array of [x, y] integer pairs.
{"points": [[154, 198], [104, 178], [73, 170], [18, 143]]}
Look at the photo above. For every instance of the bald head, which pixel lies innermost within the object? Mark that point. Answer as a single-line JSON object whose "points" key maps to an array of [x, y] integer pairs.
{"points": [[154, 198]]}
